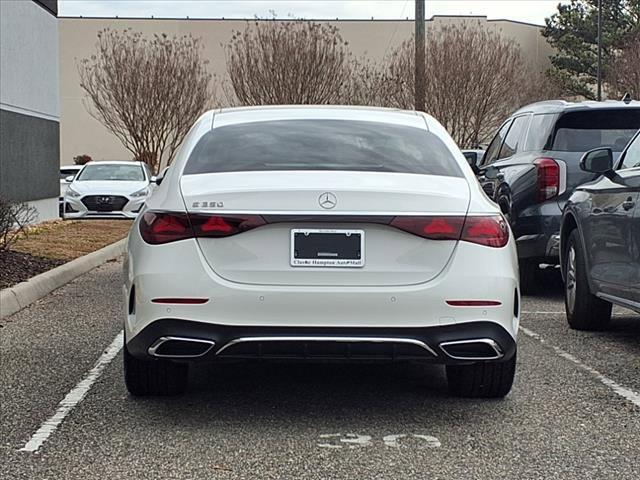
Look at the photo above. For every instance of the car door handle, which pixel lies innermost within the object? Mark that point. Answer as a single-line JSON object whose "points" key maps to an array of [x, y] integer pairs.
{"points": [[628, 204]]}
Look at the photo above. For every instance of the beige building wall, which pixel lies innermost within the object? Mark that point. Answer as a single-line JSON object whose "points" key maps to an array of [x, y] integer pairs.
{"points": [[80, 133]]}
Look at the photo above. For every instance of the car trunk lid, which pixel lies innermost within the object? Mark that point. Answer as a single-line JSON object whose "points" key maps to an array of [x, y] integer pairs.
{"points": [[325, 200]]}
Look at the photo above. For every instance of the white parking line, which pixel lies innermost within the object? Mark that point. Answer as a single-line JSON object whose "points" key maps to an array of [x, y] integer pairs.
{"points": [[562, 312], [624, 392], [74, 397], [541, 313]]}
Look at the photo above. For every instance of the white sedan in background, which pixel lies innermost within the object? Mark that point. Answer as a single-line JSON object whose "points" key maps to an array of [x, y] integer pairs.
{"points": [[108, 190], [320, 233]]}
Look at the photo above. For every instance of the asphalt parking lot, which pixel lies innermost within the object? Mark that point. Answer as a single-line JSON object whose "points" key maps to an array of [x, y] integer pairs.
{"points": [[574, 412]]}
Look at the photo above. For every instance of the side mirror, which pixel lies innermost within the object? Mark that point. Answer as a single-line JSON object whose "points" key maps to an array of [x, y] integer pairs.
{"points": [[70, 178], [491, 173], [160, 177], [472, 158], [598, 160]]}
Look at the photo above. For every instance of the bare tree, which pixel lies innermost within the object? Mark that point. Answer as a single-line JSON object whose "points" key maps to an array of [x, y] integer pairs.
{"points": [[475, 78], [367, 84], [624, 74], [146, 91], [15, 217], [82, 159], [542, 85], [287, 62]]}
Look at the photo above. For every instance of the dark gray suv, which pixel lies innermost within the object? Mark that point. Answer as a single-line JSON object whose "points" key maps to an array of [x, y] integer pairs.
{"points": [[531, 167], [600, 239]]}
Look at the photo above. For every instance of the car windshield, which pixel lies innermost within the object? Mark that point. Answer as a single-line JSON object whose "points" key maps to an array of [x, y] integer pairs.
{"points": [[632, 156], [111, 172], [322, 145], [586, 130]]}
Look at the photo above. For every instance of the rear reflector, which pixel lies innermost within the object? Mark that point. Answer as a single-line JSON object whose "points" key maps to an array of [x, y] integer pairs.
{"points": [[473, 303], [181, 301]]}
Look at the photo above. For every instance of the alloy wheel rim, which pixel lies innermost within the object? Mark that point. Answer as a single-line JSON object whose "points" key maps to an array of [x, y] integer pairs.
{"points": [[570, 287]]}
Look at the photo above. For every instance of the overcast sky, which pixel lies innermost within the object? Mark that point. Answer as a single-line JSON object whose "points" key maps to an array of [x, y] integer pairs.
{"points": [[532, 11]]}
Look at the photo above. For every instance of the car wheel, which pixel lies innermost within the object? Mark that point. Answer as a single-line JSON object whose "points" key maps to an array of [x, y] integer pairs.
{"points": [[584, 310], [482, 380], [154, 377], [529, 275]]}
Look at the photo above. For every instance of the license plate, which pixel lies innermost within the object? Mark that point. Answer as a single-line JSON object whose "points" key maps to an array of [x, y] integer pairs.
{"points": [[327, 248]]}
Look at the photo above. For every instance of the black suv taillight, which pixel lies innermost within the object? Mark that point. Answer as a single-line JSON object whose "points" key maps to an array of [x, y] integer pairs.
{"points": [[548, 185], [164, 227]]}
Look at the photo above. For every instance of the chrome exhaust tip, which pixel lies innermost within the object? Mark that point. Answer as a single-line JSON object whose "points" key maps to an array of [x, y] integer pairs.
{"points": [[180, 347], [476, 349]]}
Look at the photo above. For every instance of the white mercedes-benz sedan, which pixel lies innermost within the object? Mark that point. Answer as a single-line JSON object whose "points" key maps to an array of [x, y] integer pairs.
{"points": [[320, 233], [108, 190]]}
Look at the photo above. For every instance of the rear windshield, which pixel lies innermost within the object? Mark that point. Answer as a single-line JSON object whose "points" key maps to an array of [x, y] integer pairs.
{"points": [[582, 131], [321, 145], [111, 172]]}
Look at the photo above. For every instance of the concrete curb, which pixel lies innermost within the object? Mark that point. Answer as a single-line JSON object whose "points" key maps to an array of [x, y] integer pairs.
{"points": [[19, 296]]}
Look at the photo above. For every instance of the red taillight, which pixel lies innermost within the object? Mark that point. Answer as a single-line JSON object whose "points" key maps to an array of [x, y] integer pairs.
{"points": [[223, 225], [164, 227], [212, 225], [433, 228], [548, 178], [488, 231]]}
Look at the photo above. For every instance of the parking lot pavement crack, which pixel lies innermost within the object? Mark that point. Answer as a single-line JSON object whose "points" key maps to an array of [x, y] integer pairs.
{"points": [[620, 390]]}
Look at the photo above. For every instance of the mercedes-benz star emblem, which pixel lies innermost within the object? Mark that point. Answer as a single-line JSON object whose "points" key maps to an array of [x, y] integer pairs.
{"points": [[327, 200]]}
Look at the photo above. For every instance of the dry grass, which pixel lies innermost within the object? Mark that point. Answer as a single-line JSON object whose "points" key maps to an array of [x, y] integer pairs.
{"points": [[66, 240]]}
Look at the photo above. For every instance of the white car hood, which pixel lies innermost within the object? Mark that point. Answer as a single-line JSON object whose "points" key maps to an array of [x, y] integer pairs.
{"points": [[107, 187]]}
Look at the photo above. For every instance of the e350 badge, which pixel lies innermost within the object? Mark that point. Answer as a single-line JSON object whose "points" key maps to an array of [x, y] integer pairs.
{"points": [[208, 205]]}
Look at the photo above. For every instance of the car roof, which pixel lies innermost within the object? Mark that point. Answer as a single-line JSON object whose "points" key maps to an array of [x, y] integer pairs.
{"points": [[562, 106], [113, 162], [238, 115]]}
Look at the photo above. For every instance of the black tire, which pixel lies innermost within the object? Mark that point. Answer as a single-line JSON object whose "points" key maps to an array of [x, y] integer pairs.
{"points": [[585, 311], [529, 275], [154, 377], [482, 380]]}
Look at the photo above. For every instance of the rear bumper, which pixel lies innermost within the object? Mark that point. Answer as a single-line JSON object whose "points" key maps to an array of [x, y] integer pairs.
{"points": [[543, 246], [178, 270], [451, 344], [537, 232]]}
